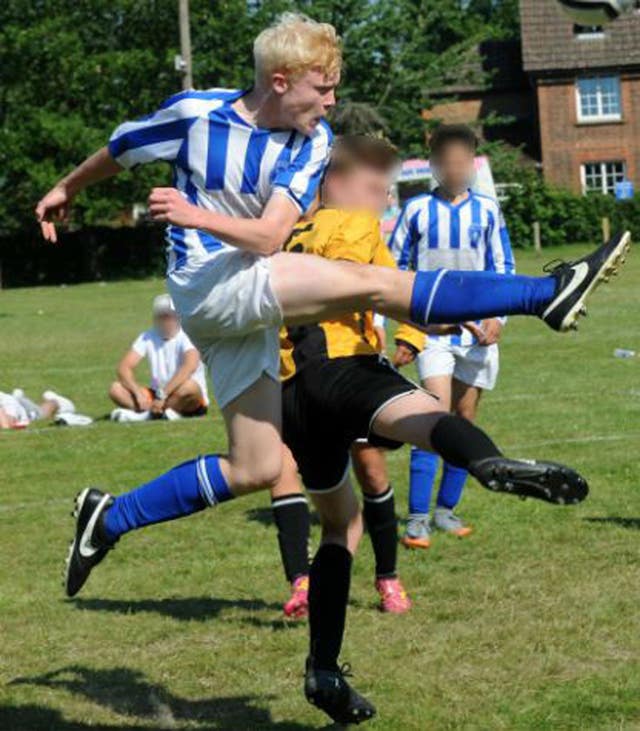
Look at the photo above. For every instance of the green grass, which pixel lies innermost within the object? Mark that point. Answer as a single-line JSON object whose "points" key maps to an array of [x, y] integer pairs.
{"points": [[532, 624]]}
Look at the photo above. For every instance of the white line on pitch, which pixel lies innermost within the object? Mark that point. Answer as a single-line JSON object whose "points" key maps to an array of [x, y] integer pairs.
{"points": [[577, 440]]}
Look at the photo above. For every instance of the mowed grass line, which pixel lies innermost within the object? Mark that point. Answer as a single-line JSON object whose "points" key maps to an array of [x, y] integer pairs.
{"points": [[531, 624]]}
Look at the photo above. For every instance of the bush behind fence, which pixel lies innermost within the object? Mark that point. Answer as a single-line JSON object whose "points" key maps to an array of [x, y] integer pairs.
{"points": [[87, 255]]}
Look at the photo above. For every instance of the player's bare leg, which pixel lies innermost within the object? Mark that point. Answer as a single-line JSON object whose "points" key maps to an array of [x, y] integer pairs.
{"points": [[310, 288], [330, 577], [417, 419], [254, 462], [122, 397], [254, 422], [370, 467]]}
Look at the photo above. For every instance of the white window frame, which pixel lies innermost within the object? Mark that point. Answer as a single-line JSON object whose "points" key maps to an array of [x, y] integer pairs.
{"points": [[603, 174], [599, 116]]}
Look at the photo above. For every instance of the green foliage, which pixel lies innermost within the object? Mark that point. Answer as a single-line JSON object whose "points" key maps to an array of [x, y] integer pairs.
{"points": [[564, 217], [71, 71]]}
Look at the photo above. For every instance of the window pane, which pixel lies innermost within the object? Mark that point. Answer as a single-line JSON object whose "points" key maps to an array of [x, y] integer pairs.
{"points": [[599, 97], [615, 173], [588, 94], [610, 94], [593, 177], [588, 30], [601, 177]]}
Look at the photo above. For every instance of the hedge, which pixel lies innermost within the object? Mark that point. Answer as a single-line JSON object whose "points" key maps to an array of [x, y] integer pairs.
{"points": [[88, 255]]}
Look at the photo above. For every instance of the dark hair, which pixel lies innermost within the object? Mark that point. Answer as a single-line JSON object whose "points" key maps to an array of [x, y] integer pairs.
{"points": [[447, 134], [353, 150]]}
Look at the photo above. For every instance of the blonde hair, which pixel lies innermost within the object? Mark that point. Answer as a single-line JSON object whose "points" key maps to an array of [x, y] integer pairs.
{"points": [[294, 44]]}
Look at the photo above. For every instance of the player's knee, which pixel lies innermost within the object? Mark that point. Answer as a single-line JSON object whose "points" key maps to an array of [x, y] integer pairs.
{"points": [[466, 411], [263, 476], [373, 479], [188, 389], [115, 391]]}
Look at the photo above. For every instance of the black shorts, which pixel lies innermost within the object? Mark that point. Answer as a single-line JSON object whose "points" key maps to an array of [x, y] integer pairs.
{"points": [[331, 403]]}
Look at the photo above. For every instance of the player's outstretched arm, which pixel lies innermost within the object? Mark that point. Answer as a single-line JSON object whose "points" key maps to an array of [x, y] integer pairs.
{"points": [[56, 203], [265, 235]]}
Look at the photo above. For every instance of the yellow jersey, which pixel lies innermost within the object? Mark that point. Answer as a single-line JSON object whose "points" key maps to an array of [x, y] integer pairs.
{"points": [[343, 235]]}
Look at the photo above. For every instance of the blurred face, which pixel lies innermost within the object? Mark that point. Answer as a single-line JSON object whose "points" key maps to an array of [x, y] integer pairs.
{"points": [[361, 188], [454, 167], [305, 100], [167, 325]]}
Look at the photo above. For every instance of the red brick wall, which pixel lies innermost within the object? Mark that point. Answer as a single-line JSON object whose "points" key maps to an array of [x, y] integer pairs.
{"points": [[566, 144], [473, 109]]}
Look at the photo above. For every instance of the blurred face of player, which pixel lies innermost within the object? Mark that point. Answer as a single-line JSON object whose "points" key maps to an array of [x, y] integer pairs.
{"points": [[361, 188], [305, 100], [167, 325], [454, 167]]}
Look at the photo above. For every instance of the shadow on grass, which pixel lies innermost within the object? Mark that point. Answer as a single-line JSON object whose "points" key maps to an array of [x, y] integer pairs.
{"points": [[127, 692], [631, 523], [264, 516], [200, 609]]}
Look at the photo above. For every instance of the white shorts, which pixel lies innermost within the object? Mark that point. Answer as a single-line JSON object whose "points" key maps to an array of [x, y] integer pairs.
{"points": [[231, 314], [475, 365], [14, 409]]}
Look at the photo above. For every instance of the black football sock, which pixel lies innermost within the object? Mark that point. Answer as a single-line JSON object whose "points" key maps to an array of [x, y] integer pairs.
{"points": [[291, 514], [459, 442], [380, 516], [329, 581]]}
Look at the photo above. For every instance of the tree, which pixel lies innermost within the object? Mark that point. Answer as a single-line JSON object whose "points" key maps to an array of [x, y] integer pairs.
{"points": [[70, 71]]}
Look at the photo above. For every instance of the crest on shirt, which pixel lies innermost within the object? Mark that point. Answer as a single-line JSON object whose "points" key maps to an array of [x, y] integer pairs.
{"points": [[475, 234]]}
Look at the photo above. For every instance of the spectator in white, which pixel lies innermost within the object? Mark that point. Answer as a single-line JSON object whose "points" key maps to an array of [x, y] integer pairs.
{"points": [[178, 385], [17, 411]]}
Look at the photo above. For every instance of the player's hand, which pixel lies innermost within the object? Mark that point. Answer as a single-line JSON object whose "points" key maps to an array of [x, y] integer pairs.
{"points": [[403, 355], [55, 205], [168, 204], [143, 399], [492, 331], [158, 407], [477, 332]]}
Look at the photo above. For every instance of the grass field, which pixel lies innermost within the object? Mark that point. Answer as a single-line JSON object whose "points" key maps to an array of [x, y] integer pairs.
{"points": [[533, 623]]}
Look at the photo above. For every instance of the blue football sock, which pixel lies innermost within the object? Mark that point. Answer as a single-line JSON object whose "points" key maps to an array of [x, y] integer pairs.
{"points": [[185, 489], [451, 486], [452, 296], [424, 466]]}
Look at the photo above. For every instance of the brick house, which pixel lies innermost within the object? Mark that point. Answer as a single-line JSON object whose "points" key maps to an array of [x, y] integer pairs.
{"points": [[587, 83], [490, 84]]}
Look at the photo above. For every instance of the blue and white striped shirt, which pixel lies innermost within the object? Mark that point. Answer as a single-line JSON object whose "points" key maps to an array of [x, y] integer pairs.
{"points": [[432, 233], [221, 162]]}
